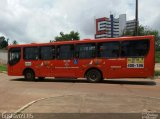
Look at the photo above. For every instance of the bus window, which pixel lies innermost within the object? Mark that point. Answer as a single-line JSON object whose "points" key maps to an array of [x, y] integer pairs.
{"points": [[31, 53], [47, 53], [138, 48], [108, 49], [14, 56], [86, 50], [65, 52]]}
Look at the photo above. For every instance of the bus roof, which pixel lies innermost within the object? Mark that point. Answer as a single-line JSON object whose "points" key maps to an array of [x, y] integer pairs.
{"points": [[84, 41]]}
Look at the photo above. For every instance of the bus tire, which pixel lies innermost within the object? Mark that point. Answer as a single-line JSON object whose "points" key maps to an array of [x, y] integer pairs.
{"points": [[41, 78], [29, 74], [94, 76]]}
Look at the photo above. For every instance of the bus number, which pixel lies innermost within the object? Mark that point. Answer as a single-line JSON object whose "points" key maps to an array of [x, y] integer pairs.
{"points": [[135, 65]]}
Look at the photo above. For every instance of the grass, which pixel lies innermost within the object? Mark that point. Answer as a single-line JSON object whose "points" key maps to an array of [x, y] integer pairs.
{"points": [[157, 73], [158, 56], [3, 68]]}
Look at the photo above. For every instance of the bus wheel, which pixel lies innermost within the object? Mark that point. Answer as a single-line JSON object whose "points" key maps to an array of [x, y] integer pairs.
{"points": [[29, 75], [41, 78], [94, 76]]}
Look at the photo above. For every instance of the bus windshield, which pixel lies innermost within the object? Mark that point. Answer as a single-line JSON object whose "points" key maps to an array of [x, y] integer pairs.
{"points": [[14, 56]]}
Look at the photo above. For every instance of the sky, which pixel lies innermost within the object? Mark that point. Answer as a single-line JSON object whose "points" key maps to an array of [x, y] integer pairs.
{"points": [[29, 21]]}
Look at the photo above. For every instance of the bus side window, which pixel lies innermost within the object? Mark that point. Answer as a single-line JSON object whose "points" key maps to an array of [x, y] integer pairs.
{"points": [[47, 52], [86, 50], [109, 49], [31, 53], [138, 48], [65, 52]]}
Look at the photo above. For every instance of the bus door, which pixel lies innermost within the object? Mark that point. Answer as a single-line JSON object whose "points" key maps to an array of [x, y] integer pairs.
{"points": [[14, 57], [110, 53], [47, 60], [31, 58], [64, 61]]}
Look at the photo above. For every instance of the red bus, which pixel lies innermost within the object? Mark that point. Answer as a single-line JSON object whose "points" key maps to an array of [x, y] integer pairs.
{"points": [[108, 58]]}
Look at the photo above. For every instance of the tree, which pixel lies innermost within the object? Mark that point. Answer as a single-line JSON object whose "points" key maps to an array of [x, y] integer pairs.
{"points": [[141, 32], [67, 37], [127, 33], [157, 43], [3, 42], [145, 31], [15, 42]]}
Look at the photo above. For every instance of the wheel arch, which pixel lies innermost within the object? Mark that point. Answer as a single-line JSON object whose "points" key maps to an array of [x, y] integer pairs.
{"points": [[28, 69], [92, 69]]}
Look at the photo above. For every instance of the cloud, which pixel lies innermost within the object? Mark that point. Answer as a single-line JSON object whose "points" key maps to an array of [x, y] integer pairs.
{"points": [[41, 20], [149, 13]]}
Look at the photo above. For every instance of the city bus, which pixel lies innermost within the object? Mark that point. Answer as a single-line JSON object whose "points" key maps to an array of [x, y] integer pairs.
{"points": [[94, 60]]}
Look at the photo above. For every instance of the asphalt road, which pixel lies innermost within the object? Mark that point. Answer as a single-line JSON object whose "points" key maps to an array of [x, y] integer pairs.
{"points": [[15, 92]]}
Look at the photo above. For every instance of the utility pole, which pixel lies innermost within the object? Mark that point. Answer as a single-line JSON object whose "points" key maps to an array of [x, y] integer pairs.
{"points": [[136, 28]]}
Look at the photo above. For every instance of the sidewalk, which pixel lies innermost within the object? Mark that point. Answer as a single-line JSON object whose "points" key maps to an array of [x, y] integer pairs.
{"points": [[157, 67]]}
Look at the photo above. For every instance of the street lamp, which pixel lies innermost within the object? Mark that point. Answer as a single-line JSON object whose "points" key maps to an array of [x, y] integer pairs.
{"points": [[136, 27]]}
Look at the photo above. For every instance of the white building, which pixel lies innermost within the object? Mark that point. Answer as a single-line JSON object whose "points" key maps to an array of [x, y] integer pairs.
{"points": [[3, 56], [130, 25], [113, 27]]}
